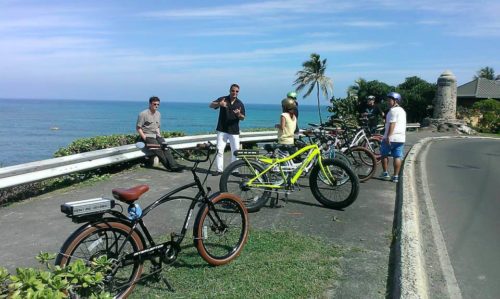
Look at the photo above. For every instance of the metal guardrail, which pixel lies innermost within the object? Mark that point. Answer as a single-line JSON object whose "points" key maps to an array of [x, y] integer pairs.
{"points": [[414, 126], [36, 171]]}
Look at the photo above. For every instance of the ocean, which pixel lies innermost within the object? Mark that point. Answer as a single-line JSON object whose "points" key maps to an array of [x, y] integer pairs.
{"points": [[32, 130]]}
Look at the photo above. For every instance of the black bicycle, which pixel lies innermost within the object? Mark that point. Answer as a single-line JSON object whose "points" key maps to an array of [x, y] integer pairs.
{"points": [[220, 230]]}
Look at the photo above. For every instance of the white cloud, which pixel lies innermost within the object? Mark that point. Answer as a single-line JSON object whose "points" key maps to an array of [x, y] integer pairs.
{"points": [[258, 54], [368, 24], [44, 22], [17, 46], [226, 32], [429, 22], [254, 9]]}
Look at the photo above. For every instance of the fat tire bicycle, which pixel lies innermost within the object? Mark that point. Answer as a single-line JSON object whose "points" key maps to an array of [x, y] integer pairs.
{"points": [[255, 176], [220, 232]]}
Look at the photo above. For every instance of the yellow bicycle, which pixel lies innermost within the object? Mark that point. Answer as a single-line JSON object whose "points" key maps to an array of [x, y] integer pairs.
{"points": [[256, 175]]}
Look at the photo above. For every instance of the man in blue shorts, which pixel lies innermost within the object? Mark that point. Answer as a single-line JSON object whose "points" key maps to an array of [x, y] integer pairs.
{"points": [[394, 137]]}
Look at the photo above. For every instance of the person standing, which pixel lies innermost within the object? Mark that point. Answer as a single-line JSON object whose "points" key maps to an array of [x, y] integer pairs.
{"points": [[372, 113], [288, 123], [394, 137], [148, 126], [293, 95], [231, 112]]}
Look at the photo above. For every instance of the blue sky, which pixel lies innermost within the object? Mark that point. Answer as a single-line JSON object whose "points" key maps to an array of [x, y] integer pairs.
{"points": [[193, 50]]}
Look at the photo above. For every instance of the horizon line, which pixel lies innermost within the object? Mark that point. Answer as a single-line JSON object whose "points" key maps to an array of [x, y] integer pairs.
{"points": [[136, 101]]}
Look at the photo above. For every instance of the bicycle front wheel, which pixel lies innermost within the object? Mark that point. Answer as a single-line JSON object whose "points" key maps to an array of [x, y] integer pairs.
{"points": [[337, 188], [113, 240], [374, 147], [363, 162], [221, 229], [235, 178]]}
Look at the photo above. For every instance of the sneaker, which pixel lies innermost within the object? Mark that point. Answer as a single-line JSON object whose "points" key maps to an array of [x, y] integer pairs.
{"points": [[385, 176], [216, 173], [395, 179], [178, 168]]}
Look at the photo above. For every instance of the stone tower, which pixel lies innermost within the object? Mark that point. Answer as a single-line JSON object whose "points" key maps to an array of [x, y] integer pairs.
{"points": [[445, 104]]}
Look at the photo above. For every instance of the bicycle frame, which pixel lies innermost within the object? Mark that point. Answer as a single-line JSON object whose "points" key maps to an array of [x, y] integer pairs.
{"points": [[166, 198], [313, 157], [358, 138]]}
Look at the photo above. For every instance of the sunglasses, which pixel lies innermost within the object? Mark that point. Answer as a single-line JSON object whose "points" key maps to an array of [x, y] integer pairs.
{"points": [[235, 91]]}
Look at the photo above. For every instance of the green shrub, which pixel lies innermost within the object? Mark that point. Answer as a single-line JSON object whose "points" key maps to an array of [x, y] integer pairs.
{"points": [[76, 280], [489, 111]]}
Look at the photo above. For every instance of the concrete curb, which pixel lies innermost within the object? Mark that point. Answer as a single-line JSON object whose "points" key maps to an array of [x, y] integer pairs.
{"points": [[410, 273]]}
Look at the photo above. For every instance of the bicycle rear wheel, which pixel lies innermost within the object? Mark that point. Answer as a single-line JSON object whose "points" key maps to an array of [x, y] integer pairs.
{"points": [[363, 162], [234, 180], [221, 229], [110, 239], [337, 189]]}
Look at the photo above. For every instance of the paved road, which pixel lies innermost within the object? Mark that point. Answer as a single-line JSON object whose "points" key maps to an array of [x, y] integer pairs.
{"points": [[461, 190], [365, 228]]}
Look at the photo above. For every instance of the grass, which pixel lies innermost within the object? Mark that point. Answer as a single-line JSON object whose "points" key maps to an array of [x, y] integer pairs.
{"points": [[497, 135], [272, 264]]}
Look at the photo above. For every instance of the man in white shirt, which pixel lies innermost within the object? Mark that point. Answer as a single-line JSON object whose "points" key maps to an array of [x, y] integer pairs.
{"points": [[394, 137]]}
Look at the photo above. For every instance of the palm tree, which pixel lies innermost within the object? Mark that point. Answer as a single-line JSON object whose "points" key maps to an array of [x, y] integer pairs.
{"points": [[313, 75], [358, 89], [486, 72]]}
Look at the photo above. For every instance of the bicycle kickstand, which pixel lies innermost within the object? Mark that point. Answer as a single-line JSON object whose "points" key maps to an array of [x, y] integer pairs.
{"points": [[169, 286], [275, 202], [156, 271]]}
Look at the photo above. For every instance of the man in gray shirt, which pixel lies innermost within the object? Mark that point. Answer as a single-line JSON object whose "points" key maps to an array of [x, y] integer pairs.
{"points": [[148, 127]]}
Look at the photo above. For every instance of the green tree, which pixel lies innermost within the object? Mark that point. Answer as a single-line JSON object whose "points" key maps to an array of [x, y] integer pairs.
{"points": [[362, 89], [487, 73], [344, 108], [313, 76], [417, 96]]}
